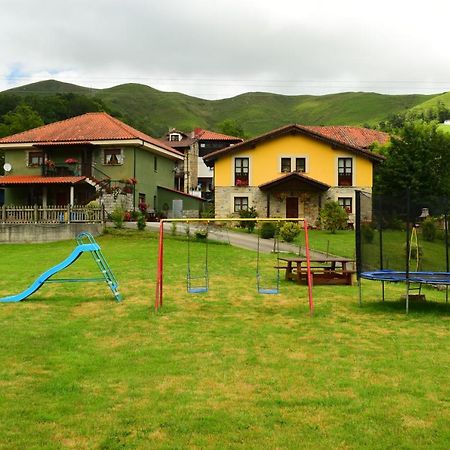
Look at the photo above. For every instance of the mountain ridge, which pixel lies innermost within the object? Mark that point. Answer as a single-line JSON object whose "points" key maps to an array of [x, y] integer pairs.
{"points": [[154, 111]]}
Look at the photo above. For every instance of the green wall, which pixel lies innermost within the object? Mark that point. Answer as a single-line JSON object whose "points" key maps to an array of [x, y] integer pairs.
{"points": [[138, 163]]}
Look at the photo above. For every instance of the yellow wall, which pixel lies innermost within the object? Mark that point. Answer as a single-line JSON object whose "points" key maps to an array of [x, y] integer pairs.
{"points": [[265, 162]]}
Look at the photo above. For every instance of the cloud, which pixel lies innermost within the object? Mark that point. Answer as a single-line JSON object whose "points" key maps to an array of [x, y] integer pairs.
{"points": [[222, 48]]}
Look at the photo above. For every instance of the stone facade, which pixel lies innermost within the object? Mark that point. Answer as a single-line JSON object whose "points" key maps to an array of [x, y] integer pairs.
{"points": [[309, 203], [111, 202]]}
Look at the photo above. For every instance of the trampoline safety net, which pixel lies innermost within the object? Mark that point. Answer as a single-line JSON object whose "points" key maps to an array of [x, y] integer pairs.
{"points": [[406, 233]]}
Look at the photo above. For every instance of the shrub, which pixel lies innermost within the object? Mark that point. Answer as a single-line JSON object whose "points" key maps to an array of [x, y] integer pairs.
{"points": [[141, 222], [117, 216], [267, 230], [413, 250], [367, 233], [208, 212], [173, 228], [248, 214], [429, 229], [333, 217], [201, 233], [135, 215], [396, 224], [288, 231]]}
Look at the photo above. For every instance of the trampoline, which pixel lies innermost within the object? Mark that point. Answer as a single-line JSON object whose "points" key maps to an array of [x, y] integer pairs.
{"points": [[435, 278], [394, 243]]}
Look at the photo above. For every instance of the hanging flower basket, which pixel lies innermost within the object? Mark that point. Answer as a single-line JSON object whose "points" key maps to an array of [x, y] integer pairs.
{"points": [[71, 161]]}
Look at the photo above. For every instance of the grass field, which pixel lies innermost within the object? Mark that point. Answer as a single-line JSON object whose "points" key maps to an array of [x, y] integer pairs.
{"points": [[230, 369]]}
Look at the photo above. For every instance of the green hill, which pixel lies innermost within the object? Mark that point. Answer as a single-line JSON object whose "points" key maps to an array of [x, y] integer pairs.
{"points": [[155, 111]]}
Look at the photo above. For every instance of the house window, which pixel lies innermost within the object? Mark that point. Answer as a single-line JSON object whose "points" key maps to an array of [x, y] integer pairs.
{"points": [[300, 164], [285, 164], [345, 171], [174, 137], [241, 171], [240, 203], [112, 156], [346, 203], [35, 159], [155, 164]]}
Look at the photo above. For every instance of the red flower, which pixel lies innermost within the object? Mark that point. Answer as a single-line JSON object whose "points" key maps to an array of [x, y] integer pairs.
{"points": [[71, 161]]}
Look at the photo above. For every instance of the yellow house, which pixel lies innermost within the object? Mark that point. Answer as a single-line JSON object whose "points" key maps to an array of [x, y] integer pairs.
{"points": [[293, 170]]}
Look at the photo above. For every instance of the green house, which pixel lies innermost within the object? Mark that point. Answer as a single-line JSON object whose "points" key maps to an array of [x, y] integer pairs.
{"points": [[88, 157]]}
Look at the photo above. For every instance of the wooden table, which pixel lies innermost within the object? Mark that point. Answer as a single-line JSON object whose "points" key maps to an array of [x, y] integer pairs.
{"points": [[324, 270]]}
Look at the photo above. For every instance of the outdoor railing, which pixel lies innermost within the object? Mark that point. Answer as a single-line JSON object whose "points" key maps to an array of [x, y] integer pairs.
{"points": [[51, 214]]}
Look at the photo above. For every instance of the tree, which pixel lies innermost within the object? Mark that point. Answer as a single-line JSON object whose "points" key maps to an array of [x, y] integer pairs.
{"points": [[21, 119], [333, 217], [232, 128], [418, 158]]}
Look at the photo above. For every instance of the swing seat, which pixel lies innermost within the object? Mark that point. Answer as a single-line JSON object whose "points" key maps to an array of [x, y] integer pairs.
{"points": [[197, 290], [268, 291]]}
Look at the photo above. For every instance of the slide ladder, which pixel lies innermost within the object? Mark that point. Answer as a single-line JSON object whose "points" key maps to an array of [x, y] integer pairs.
{"points": [[92, 247], [101, 263]]}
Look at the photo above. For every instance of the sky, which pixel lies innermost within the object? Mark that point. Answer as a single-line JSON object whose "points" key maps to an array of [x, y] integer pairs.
{"points": [[221, 48]]}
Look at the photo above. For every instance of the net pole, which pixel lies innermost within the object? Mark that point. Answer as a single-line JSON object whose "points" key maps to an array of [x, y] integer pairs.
{"points": [[358, 244], [160, 268], [408, 245], [308, 268], [446, 246]]}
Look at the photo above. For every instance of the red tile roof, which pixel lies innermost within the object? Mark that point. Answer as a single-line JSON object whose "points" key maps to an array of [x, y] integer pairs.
{"points": [[30, 179], [87, 127], [206, 135], [354, 136], [354, 139]]}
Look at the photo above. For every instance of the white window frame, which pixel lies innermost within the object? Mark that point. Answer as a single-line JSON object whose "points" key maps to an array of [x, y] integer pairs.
{"points": [[293, 159], [336, 169], [237, 194], [119, 156], [233, 173]]}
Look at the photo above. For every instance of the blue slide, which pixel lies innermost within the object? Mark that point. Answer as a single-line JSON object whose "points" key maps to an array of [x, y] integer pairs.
{"points": [[91, 247]]}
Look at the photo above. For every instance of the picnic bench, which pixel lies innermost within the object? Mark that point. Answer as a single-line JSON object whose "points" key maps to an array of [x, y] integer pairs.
{"points": [[324, 270]]}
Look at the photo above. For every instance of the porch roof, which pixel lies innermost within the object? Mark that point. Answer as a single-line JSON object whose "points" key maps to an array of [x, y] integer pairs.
{"points": [[294, 181], [33, 179]]}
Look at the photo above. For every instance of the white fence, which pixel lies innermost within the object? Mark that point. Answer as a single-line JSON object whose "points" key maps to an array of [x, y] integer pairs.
{"points": [[51, 214]]}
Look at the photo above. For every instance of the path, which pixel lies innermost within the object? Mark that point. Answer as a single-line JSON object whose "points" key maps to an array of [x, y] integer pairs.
{"points": [[235, 238]]}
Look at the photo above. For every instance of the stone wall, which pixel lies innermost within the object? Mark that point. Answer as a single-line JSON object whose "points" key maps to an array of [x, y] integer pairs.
{"points": [[308, 202], [111, 202], [343, 191], [34, 233]]}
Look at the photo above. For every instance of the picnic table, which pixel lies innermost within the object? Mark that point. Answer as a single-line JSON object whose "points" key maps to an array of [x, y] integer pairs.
{"points": [[324, 269]]}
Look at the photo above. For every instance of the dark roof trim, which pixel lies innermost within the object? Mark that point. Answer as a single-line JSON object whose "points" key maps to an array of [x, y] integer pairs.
{"points": [[287, 130], [182, 193], [294, 176]]}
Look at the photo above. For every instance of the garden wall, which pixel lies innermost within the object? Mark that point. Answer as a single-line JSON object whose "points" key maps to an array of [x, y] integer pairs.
{"points": [[34, 233]]}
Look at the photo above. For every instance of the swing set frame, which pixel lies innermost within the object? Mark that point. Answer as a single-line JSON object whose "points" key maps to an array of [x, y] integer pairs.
{"points": [[160, 264]]}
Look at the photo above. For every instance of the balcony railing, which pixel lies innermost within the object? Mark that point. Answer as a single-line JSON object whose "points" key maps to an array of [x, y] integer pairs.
{"points": [[51, 214]]}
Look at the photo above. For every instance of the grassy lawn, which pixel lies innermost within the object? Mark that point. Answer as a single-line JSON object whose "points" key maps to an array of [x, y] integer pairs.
{"points": [[229, 369]]}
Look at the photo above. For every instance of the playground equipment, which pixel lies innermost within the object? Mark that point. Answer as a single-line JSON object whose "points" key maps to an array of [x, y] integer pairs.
{"points": [[85, 244], [390, 241], [193, 281], [160, 266], [259, 284]]}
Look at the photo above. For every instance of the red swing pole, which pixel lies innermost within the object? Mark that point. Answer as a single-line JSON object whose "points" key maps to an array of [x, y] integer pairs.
{"points": [[160, 268], [308, 269]]}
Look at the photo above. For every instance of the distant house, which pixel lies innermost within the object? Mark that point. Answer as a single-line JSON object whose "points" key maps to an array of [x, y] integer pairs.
{"points": [[87, 157], [193, 176], [293, 170]]}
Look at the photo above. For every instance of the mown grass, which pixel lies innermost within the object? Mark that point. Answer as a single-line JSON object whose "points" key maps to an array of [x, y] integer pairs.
{"points": [[230, 369]]}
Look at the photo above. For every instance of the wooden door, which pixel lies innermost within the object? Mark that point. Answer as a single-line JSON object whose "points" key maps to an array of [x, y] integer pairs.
{"points": [[291, 207]]}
